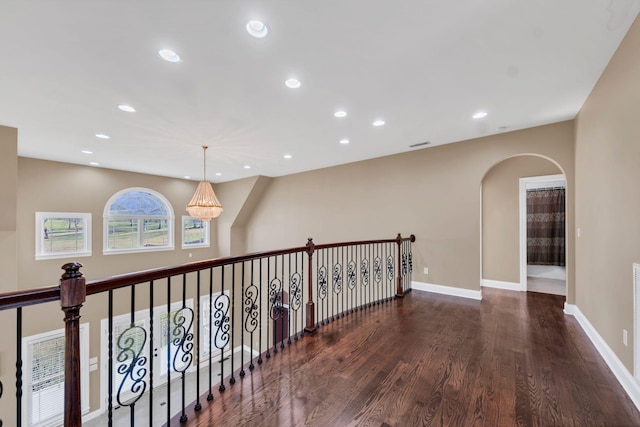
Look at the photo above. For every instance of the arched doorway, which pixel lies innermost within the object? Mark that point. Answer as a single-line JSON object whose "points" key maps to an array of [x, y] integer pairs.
{"points": [[503, 260]]}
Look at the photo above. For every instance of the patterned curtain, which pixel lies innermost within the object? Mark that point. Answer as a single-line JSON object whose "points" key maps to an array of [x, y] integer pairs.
{"points": [[545, 227]]}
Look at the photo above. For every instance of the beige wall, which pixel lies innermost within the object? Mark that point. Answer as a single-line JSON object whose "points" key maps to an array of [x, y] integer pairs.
{"points": [[433, 193], [608, 199], [45, 186], [501, 215], [8, 263]]}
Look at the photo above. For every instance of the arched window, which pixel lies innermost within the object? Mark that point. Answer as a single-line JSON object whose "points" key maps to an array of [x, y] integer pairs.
{"points": [[138, 220]]}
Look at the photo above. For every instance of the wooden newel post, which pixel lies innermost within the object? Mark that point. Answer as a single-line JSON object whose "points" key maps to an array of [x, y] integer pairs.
{"points": [[72, 294], [399, 292], [311, 309]]}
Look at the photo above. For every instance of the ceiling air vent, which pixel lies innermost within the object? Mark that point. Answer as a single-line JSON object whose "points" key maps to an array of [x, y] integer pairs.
{"points": [[420, 144]]}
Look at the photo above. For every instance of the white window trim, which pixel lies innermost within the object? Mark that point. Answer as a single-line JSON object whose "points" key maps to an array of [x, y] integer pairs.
{"points": [[107, 216], [207, 234], [41, 216], [84, 372]]}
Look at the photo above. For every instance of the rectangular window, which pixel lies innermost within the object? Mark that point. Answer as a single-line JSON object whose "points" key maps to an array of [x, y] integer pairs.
{"points": [[62, 235], [195, 233], [44, 376]]}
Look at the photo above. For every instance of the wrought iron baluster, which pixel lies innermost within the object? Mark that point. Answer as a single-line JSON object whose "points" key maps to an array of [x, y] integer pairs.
{"points": [[295, 297], [303, 316], [131, 362], [260, 314], [270, 308], [151, 351], [183, 341], [222, 324], [232, 379], [198, 405], [282, 303], [210, 316], [168, 338], [275, 300], [322, 287], [289, 322], [352, 280], [337, 285], [110, 361], [251, 310], [377, 272], [19, 366], [242, 373]]}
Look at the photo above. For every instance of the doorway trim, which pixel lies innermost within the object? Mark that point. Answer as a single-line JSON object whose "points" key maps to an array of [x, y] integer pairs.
{"points": [[554, 180]]}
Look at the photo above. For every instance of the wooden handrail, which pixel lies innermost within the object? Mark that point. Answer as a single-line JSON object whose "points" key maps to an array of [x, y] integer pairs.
{"points": [[29, 297]]}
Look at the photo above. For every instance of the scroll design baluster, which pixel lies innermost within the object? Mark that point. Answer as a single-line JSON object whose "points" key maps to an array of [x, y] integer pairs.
{"points": [[337, 278], [251, 310], [352, 275], [404, 263], [275, 303], [364, 272], [221, 323], [183, 339], [377, 269], [275, 298], [295, 297], [132, 365], [322, 282], [390, 268]]}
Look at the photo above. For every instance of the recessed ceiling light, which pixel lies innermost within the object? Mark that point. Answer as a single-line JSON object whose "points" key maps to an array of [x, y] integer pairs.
{"points": [[257, 29], [87, 152], [293, 83], [247, 167], [287, 156], [218, 173], [480, 114], [378, 123], [344, 141], [187, 177], [169, 55], [340, 113], [94, 163], [102, 136], [127, 108]]}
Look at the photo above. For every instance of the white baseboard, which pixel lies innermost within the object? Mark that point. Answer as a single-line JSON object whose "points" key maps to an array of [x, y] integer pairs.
{"points": [[446, 290], [569, 309], [625, 378], [252, 352], [92, 415], [498, 284]]}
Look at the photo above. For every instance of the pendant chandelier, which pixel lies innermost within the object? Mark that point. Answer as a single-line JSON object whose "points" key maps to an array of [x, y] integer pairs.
{"points": [[204, 204]]}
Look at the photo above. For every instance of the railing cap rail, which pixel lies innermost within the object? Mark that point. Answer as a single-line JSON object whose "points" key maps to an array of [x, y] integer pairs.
{"points": [[41, 295]]}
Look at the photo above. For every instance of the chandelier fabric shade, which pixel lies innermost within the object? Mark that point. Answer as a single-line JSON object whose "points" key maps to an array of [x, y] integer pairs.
{"points": [[204, 204]]}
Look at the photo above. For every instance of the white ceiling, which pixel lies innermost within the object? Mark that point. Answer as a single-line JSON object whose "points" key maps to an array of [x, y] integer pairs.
{"points": [[424, 66]]}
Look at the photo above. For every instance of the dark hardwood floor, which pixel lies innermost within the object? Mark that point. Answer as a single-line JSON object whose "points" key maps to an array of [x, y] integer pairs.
{"points": [[512, 359]]}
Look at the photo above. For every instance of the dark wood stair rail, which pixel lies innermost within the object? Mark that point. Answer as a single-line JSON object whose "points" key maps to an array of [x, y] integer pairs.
{"points": [[73, 290]]}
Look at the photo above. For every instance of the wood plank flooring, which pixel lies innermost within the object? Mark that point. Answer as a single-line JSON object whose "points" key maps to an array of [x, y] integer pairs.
{"points": [[513, 359]]}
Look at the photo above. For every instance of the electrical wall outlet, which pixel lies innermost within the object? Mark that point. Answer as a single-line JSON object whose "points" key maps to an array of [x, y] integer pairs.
{"points": [[625, 339], [426, 270]]}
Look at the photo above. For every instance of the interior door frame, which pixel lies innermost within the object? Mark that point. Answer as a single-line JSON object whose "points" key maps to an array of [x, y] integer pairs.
{"points": [[558, 180]]}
